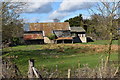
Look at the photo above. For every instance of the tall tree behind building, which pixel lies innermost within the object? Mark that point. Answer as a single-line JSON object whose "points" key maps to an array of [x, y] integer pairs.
{"points": [[76, 21]]}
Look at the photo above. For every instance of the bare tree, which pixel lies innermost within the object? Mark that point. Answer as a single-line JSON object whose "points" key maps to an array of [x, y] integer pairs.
{"points": [[106, 21]]}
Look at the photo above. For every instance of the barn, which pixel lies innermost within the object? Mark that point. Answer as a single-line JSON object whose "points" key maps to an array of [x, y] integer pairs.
{"points": [[38, 33]]}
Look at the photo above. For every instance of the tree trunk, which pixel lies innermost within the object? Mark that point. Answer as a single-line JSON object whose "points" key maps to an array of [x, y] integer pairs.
{"points": [[109, 48]]}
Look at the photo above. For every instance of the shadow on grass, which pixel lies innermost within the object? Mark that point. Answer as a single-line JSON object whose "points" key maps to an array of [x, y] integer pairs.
{"points": [[59, 51]]}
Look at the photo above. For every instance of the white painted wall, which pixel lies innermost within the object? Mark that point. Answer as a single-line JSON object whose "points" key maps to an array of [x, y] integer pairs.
{"points": [[83, 39], [47, 40]]}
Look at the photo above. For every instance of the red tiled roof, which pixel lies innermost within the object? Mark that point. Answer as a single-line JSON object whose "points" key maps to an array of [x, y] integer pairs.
{"points": [[49, 27], [32, 36], [64, 38]]}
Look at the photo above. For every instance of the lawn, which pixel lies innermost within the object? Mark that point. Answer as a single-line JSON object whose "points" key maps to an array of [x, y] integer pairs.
{"points": [[64, 56]]}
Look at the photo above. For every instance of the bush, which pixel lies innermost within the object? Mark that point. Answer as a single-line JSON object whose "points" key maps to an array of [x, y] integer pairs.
{"points": [[16, 41], [51, 36]]}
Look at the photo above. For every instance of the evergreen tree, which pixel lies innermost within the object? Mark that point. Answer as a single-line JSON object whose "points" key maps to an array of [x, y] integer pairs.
{"points": [[76, 21]]}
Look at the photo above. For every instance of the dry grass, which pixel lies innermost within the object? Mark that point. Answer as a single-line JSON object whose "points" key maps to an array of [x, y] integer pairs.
{"points": [[96, 48]]}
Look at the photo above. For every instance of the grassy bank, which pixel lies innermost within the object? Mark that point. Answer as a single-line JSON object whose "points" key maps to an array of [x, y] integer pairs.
{"points": [[63, 55]]}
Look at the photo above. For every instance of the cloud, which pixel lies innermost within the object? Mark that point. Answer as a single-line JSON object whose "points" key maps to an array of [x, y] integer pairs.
{"points": [[32, 20], [86, 16], [50, 20], [70, 6], [38, 7], [58, 15]]}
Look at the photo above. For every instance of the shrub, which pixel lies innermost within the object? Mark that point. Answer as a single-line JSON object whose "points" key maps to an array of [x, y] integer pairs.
{"points": [[16, 41], [51, 36]]}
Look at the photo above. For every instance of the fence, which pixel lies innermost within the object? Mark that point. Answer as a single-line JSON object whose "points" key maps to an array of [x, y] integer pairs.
{"points": [[10, 70]]}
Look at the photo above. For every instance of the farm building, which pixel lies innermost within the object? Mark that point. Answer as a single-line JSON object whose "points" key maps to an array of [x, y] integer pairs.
{"points": [[78, 34], [63, 33]]}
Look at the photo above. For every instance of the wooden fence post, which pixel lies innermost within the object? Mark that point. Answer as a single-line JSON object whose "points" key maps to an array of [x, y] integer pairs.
{"points": [[30, 71], [69, 70]]}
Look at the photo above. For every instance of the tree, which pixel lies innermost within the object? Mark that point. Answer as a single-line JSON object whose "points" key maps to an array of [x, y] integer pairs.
{"points": [[106, 24], [11, 25], [75, 21]]}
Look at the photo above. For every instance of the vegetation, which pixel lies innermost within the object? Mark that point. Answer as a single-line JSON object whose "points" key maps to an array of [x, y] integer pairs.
{"points": [[64, 56], [11, 25], [102, 42], [61, 57], [92, 27], [107, 25], [102, 25], [51, 36], [104, 22], [76, 21]]}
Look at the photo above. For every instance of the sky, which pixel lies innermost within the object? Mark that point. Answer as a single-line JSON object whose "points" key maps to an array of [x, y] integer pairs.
{"points": [[47, 10]]}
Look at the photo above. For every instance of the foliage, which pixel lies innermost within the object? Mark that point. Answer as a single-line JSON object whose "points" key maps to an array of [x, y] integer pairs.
{"points": [[51, 36], [102, 27], [76, 21], [11, 25], [102, 24], [16, 41], [106, 24]]}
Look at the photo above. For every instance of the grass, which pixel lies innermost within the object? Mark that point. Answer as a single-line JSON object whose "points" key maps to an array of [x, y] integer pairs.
{"points": [[63, 55], [102, 42]]}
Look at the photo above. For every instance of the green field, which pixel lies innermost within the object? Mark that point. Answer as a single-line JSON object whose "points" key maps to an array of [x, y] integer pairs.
{"points": [[102, 42], [65, 56]]}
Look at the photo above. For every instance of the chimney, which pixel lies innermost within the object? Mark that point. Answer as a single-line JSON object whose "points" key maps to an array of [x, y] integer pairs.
{"points": [[56, 20]]}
